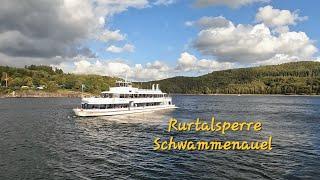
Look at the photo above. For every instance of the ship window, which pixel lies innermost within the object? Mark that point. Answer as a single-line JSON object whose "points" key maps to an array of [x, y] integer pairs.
{"points": [[106, 95], [110, 106]]}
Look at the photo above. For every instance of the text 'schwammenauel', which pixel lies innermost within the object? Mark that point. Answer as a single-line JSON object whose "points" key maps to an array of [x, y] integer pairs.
{"points": [[213, 126]]}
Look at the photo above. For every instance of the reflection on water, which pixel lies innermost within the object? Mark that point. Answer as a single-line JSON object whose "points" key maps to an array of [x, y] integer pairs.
{"points": [[92, 125], [157, 117], [40, 139]]}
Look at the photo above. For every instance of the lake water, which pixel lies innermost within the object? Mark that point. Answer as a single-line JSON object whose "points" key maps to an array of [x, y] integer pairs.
{"points": [[40, 139]]}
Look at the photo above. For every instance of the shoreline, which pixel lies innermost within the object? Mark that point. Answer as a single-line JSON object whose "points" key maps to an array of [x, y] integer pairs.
{"points": [[75, 94], [44, 94], [244, 94]]}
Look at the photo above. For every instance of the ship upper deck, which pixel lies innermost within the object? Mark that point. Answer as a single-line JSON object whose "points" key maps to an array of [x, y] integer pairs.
{"points": [[125, 87]]}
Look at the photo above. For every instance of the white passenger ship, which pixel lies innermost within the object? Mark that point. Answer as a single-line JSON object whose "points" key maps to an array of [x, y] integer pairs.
{"points": [[125, 99]]}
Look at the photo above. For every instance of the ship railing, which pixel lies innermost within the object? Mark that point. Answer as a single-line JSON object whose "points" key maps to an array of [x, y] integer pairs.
{"points": [[149, 89]]}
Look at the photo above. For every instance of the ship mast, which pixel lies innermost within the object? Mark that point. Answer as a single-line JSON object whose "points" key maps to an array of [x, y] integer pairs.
{"points": [[6, 79], [82, 87]]}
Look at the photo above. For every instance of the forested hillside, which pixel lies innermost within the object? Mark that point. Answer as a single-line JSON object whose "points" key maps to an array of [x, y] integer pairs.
{"points": [[289, 78], [51, 79]]}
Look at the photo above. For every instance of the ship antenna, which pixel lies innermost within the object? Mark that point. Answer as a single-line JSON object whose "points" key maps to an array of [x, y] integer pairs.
{"points": [[6, 79], [82, 87]]}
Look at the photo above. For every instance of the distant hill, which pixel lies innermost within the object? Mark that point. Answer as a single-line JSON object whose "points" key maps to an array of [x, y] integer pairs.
{"points": [[288, 78], [32, 77]]}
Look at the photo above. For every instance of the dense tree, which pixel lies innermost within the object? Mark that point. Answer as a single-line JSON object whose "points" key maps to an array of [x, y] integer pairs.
{"points": [[53, 79], [289, 78]]}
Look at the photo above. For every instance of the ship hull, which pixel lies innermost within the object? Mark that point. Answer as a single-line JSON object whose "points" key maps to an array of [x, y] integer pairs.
{"points": [[119, 111]]}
